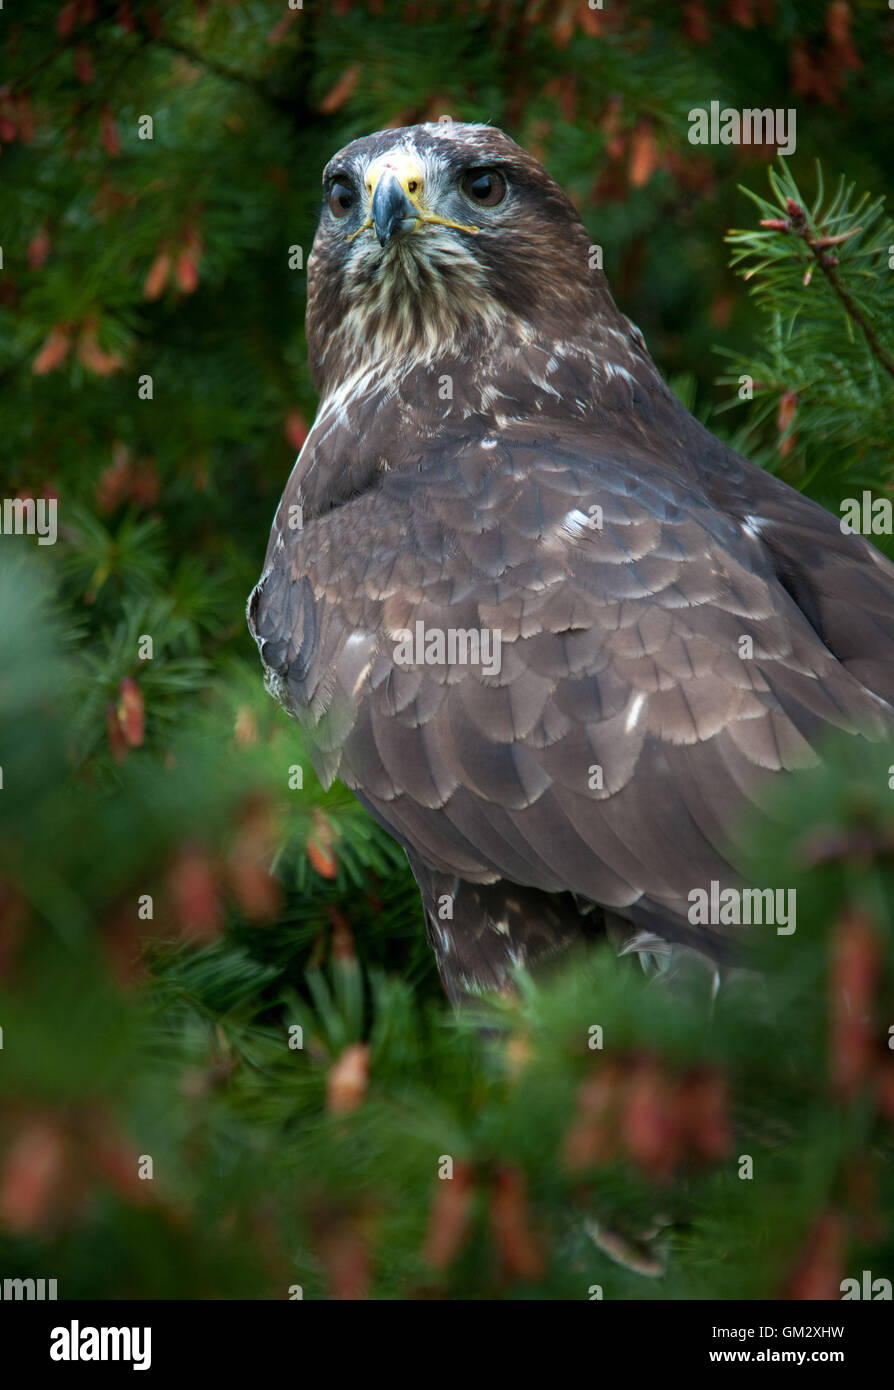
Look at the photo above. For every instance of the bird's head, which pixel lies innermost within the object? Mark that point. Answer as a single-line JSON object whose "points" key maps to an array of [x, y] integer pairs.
{"points": [[438, 238]]}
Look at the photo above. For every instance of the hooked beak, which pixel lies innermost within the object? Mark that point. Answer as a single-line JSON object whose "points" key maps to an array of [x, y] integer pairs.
{"points": [[391, 208]]}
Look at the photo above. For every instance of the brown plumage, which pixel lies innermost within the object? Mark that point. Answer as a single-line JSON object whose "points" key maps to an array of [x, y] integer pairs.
{"points": [[495, 451]]}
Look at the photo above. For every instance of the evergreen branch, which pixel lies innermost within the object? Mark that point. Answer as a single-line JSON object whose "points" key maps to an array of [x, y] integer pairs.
{"points": [[798, 223], [294, 107]]}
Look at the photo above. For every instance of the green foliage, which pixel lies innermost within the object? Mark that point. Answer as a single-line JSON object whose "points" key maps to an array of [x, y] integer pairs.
{"points": [[821, 275]]}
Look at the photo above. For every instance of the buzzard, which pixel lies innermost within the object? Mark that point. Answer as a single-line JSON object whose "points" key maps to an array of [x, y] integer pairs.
{"points": [[554, 635]]}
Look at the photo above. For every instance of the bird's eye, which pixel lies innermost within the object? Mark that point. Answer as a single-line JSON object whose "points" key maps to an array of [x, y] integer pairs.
{"points": [[484, 187], [341, 198]]}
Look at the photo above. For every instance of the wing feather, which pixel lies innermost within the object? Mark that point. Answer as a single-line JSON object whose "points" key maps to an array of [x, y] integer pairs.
{"points": [[628, 726]]}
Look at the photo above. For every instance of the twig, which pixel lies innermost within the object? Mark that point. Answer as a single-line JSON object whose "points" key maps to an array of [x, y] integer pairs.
{"points": [[797, 222], [286, 104], [295, 108]]}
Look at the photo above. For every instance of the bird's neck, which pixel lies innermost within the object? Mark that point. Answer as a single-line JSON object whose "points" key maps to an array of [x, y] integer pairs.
{"points": [[387, 414]]}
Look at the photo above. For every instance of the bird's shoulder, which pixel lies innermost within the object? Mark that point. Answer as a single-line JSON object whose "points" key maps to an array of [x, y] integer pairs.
{"points": [[616, 586]]}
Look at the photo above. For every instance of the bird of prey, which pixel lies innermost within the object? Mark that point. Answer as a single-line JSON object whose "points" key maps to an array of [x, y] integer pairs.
{"points": [[555, 636]]}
